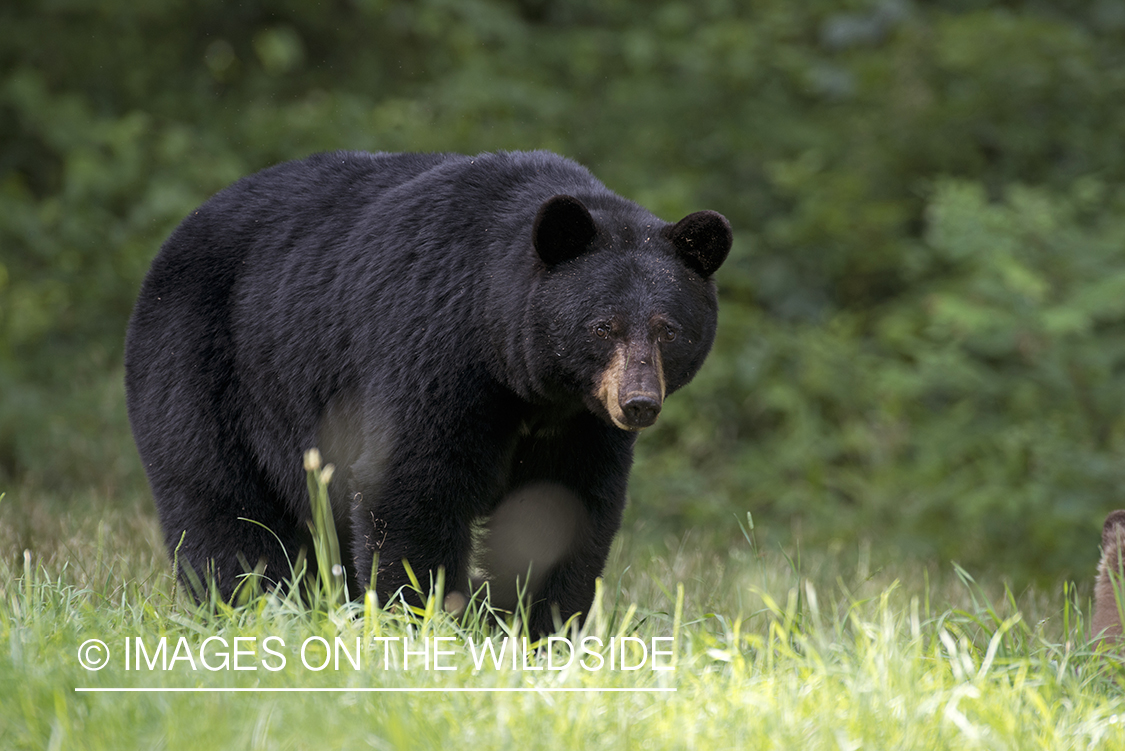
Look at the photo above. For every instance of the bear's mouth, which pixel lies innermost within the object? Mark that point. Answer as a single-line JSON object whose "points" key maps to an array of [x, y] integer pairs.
{"points": [[631, 388]]}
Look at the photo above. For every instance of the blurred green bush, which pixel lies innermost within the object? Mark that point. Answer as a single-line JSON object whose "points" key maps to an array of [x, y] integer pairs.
{"points": [[921, 333], [977, 418]]}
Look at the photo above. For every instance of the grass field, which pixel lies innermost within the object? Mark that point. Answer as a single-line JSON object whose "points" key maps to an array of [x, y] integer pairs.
{"points": [[758, 650]]}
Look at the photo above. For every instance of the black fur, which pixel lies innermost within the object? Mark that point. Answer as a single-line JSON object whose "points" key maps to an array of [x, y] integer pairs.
{"points": [[393, 310]]}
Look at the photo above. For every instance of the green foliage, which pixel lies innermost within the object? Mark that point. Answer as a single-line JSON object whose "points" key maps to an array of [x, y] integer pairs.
{"points": [[331, 585], [920, 339], [981, 418], [766, 655]]}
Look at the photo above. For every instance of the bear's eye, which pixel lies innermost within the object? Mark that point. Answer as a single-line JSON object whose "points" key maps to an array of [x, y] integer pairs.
{"points": [[668, 334], [602, 331]]}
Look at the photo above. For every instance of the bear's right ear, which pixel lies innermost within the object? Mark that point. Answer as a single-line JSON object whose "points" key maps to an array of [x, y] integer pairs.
{"points": [[702, 240], [563, 229]]}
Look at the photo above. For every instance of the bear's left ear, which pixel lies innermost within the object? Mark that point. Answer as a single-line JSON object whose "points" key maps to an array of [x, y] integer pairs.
{"points": [[702, 240], [563, 229]]}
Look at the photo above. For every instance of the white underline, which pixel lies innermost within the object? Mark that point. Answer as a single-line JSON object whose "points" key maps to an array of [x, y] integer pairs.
{"points": [[197, 690]]}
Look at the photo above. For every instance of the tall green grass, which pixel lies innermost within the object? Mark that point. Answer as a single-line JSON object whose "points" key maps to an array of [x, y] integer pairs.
{"points": [[770, 651]]}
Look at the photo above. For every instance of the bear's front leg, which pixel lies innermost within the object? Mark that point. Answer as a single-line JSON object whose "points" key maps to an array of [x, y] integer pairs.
{"points": [[392, 532], [571, 483], [417, 502]]}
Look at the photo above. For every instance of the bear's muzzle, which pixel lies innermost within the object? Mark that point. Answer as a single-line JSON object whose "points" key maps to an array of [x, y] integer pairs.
{"points": [[632, 387]]}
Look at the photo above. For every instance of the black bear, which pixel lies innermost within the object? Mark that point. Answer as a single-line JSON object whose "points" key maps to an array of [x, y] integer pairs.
{"points": [[454, 333]]}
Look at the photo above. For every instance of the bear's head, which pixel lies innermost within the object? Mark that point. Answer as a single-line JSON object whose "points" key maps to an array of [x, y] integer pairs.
{"points": [[625, 308]]}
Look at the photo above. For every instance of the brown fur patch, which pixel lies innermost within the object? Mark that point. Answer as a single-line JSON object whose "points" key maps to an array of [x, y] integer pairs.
{"points": [[1109, 589], [531, 530], [609, 388]]}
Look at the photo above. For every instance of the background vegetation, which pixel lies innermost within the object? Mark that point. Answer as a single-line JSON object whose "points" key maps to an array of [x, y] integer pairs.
{"points": [[922, 338]]}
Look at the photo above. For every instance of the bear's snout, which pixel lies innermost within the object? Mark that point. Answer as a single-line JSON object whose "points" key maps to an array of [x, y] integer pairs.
{"points": [[632, 387], [640, 409]]}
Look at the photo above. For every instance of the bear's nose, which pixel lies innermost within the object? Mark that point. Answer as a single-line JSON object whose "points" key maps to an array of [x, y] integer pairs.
{"points": [[641, 409]]}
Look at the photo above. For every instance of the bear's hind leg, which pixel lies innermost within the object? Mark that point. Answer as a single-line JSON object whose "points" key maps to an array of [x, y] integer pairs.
{"points": [[224, 524]]}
